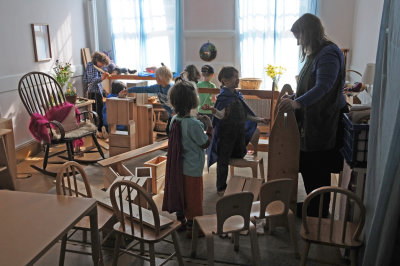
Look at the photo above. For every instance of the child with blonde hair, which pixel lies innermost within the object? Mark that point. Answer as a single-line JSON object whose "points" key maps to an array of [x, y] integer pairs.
{"points": [[163, 78]]}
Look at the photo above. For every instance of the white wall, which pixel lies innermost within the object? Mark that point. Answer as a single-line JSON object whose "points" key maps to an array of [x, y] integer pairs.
{"points": [[367, 21], [67, 24]]}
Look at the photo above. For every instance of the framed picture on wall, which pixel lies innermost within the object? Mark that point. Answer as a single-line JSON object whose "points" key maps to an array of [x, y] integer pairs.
{"points": [[41, 42]]}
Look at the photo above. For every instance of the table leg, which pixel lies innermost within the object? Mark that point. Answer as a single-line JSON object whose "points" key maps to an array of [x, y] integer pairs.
{"points": [[97, 259]]}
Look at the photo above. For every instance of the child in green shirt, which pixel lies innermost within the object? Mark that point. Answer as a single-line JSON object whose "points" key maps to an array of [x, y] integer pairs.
{"points": [[207, 72]]}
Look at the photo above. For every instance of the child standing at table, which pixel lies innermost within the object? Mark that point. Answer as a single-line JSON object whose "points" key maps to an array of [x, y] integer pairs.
{"points": [[207, 72], [163, 78], [183, 191], [234, 123]]}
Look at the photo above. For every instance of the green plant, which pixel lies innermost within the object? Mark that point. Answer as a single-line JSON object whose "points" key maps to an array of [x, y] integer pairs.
{"points": [[71, 91], [62, 72]]}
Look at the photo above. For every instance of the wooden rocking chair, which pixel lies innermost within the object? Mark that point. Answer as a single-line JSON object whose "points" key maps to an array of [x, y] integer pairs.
{"points": [[39, 92]]}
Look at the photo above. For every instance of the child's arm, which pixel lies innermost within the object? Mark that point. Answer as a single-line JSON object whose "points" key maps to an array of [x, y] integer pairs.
{"points": [[258, 119], [217, 113]]}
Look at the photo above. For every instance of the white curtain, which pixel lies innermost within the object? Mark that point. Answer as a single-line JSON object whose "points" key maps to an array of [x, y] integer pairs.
{"points": [[265, 37], [143, 33]]}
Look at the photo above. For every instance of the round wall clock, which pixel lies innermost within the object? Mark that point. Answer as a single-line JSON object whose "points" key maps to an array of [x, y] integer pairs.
{"points": [[208, 52]]}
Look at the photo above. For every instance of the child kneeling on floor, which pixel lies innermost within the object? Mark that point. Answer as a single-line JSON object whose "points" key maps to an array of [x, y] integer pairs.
{"points": [[187, 142]]}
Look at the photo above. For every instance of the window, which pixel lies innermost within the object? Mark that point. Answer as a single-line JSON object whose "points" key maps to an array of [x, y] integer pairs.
{"points": [[143, 33]]}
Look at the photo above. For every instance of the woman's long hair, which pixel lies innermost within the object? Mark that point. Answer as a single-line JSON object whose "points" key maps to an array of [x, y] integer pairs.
{"points": [[309, 31]]}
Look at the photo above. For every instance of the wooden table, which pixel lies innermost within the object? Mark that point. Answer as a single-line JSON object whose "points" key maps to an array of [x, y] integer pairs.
{"points": [[84, 103], [31, 223]]}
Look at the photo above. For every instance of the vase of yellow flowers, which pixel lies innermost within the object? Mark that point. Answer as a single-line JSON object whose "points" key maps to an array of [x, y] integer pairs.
{"points": [[62, 72], [274, 72], [70, 94]]}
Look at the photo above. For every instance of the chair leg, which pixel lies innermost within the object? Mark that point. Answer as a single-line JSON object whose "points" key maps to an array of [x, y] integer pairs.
{"points": [[255, 251], [292, 230], [305, 253], [195, 231], [152, 255], [261, 164], [210, 249], [62, 250], [116, 248], [177, 249], [232, 170], [46, 156], [70, 150], [97, 145], [353, 257], [235, 237]]}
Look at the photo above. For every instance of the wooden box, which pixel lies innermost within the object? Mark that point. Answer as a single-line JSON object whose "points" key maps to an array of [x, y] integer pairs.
{"points": [[157, 166]]}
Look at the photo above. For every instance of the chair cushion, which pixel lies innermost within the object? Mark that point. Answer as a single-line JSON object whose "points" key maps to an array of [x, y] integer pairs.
{"points": [[69, 123], [84, 129]]}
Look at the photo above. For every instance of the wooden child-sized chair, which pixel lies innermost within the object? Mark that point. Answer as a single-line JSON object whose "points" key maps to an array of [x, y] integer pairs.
{"points": [[68, 184], [233, 216], [250, 160], [133, 225], [329, 231], [274, 207]]}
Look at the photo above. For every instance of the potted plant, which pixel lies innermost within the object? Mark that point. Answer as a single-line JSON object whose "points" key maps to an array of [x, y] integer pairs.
{"points": [[62, 72], [274, 72], [70, 94]]}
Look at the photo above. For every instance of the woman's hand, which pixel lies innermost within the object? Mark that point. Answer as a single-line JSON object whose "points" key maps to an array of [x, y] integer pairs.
{"points": [[105, 75], [207, 121], [287, 105]]}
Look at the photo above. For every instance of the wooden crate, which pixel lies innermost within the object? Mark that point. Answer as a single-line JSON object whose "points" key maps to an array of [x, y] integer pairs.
{"points": [[157, 165]]}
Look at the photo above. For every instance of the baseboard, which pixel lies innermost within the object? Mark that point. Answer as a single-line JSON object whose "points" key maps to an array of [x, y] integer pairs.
{"points": [[28, 149]]}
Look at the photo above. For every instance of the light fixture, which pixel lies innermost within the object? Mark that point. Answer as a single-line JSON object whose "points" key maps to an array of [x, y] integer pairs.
{"points": [[368, 77]]}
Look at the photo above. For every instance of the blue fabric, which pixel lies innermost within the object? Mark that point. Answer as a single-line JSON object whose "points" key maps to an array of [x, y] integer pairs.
{"points": [[382, 190], [325, 71], [162, 94], [92, 77], [193, 138], [224, 98], [147, 74]]}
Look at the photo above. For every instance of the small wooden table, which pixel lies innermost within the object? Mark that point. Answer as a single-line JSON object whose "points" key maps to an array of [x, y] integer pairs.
{"points": [[31, 223], [84, 103]]}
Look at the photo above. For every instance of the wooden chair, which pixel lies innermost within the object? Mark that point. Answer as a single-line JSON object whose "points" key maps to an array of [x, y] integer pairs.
{"points": [[68, 184], [250, 160], [274, 207], [39, 92], [329, 231], [233, 216], [133, 225]]}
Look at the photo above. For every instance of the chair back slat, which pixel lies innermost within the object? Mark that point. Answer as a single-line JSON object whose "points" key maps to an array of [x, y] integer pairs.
{"points": [[320, 208], [276, 190], [67, 180], [346, 216], [232, 205], [39, 92], [341, 234], [120, 199], [332, 216]]}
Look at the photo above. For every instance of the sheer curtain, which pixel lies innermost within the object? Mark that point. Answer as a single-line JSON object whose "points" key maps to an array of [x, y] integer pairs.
{"points": [[382, 189], [144, 33], [265, 37]]}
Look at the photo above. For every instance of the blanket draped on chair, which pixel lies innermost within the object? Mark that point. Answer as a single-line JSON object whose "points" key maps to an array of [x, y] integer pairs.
{"points": [[38, 123], [173, 192]]}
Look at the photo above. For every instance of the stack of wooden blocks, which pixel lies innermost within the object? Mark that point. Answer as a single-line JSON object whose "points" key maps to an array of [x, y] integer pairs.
{"points": [[137, 118]]}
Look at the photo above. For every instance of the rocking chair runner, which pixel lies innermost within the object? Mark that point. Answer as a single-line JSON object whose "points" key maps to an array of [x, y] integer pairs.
{"points": [[39, 92]]}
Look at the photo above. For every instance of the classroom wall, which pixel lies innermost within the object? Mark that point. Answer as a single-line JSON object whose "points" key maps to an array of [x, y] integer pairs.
{"points": [[67, 25], [366, 26]]}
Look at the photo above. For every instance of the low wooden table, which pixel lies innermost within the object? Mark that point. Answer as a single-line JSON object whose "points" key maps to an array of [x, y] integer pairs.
{"points": [[31, 223]]}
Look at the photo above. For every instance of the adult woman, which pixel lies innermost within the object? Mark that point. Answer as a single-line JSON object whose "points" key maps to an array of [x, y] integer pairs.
{"points": [[318, 104]]}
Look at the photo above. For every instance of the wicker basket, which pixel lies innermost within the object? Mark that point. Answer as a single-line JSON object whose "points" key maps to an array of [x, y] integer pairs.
{"points": [[250, 83]]}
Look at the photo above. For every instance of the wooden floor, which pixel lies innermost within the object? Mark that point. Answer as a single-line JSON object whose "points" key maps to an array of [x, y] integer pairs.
{"points": [[275, 249]]}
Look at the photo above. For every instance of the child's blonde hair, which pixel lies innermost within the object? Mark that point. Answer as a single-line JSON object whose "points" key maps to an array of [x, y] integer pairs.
{"points": [[164, 74]]}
